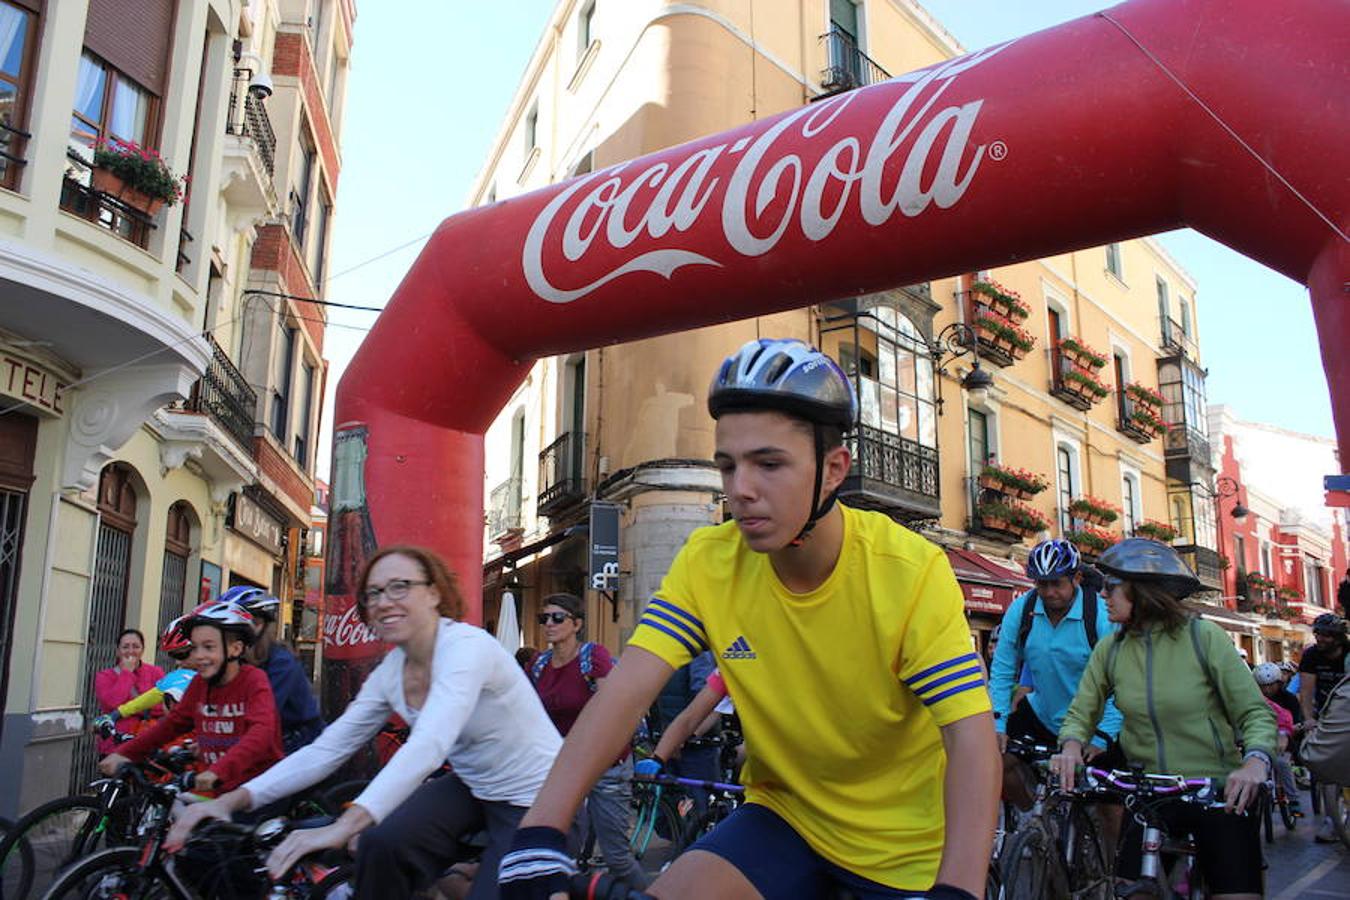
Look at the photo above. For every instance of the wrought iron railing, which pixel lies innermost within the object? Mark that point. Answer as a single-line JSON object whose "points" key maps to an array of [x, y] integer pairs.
{"points": [[1183, 441], [184, 257], [893, 460], [13, 145], [249, 119], [503, 512], [847, 67], [561, 482], [225, 395], [79, 196], [1126, 423], [1175, 340]]}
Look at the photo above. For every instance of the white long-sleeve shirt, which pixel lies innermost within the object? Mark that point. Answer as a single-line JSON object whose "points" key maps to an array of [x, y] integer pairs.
{"points": [[481, 714]]}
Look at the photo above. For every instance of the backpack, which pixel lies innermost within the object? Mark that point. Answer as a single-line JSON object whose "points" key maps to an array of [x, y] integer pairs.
{"points": [[1024, 626], [1326, 748], [587, 655]]}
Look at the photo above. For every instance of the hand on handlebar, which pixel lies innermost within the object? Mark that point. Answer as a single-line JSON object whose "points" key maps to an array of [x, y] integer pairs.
{"points": [[1244, 785], [105, 726], [303, 842], [112, 763], [1064, 764], [648, 767], [190, 818]]}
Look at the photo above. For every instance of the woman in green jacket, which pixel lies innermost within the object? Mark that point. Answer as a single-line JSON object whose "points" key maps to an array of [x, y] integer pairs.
{"points": [[1190, 708]]}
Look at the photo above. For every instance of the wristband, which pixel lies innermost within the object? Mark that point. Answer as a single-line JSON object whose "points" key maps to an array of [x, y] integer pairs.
{"points": [[1264, 757]]}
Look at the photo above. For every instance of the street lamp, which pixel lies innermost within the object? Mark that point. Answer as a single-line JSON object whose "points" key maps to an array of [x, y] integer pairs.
{"points": [[953, 342], [1224, 486]]}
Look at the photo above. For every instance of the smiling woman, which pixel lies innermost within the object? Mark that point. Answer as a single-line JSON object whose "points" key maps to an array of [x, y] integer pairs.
{"points": [[468, 703]]}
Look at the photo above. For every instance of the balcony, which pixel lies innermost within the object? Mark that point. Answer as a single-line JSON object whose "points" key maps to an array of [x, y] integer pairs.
{"points": [[1072, 377], [249, 153], [225, 396], [1140, 422], [892, 474], [1175, 341], [562, 484], [1206, 563], [81, 198], [503, 513], [13, 146], [1000, 338], [846, 67]]}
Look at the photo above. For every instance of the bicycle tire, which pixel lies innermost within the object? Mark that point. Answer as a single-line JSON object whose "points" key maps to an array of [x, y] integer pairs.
{"points": [[25, 857], [47, 842], [1287, 813], [1090, 876], [666, 826], [114, 871], [1025, 864]]}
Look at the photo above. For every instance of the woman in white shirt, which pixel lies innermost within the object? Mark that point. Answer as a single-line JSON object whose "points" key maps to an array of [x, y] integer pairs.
{"points": [[467, 702]]}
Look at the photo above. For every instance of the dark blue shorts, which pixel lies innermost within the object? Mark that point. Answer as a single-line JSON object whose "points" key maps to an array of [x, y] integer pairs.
{"points": [[781, 865]]}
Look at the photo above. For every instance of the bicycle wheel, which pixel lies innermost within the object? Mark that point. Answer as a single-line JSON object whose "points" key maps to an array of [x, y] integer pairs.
{"points": [[1089, 877], [112, 873], [1025, 866], [658, 835], [1287, 812], [45, 840], [23, 865]]}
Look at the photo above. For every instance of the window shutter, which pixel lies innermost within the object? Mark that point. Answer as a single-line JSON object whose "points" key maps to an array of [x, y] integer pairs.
{"points": [[134, 37]]}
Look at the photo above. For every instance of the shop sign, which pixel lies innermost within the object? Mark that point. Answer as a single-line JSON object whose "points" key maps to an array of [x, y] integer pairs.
{"points": [[256, 524], [981, 599], [30, 383], [605, 547]]}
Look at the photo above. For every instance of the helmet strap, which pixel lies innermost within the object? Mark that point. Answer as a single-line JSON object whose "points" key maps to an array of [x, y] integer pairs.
{"points": [[818, 507]]}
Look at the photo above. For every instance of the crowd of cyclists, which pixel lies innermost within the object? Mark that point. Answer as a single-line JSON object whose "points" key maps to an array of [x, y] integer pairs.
{"points": [[879, 749]]}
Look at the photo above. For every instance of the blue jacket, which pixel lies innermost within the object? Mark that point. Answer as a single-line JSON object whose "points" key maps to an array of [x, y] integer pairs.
{"points": [[1056, 656], [296, 706]]}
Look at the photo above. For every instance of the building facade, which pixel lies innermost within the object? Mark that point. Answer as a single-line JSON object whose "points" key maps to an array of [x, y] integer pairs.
{"points": [[158, 408], [1097, 386]]}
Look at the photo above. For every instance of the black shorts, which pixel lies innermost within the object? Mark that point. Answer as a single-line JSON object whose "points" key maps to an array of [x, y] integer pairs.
{"points": [[1227, 847], [1023, 723]]}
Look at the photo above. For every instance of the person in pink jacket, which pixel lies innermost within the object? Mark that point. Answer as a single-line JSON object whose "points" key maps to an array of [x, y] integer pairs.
{"points": [[129, 678]]}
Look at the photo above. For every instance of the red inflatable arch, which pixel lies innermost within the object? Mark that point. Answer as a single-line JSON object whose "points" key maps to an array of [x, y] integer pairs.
{"points": [[1228, 116]]}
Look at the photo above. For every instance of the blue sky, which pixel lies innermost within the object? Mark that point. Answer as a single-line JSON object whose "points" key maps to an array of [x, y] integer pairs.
{"points": [[420, 118]]}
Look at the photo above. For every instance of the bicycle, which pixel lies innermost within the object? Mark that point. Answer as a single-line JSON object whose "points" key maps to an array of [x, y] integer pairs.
{"points": [[35, 849], [220, 860], [691, 824], [1277, 799], [26, 851], [1056, 849]]}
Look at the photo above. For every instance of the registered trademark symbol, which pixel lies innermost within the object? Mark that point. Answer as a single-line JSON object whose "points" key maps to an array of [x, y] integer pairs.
{"points": [[998, 150]]}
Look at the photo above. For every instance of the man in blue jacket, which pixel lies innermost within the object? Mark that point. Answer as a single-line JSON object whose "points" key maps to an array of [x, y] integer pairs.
{"points": [[1049, 632], [297, 707]]}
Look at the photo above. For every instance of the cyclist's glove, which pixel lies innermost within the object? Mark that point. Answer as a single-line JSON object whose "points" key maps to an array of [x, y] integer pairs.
{"points": [[106, 724], [648, 767], [537, 866]]}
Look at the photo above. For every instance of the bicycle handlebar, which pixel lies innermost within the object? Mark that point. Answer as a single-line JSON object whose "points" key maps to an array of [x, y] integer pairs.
{"points": [[675, 781], [599, 886]]}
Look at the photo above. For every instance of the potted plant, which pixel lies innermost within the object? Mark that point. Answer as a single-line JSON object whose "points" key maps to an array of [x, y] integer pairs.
{"points": [[1147, 421], [1084, 384], [1026, 520], [1259, 582], [1094, 510], [998, 297], [1089, 540], [1288, 593], [1022, 341], [1016, 482], [135, 175], [994, 515], [1155, 530], [1082, 353], [1144, 394]]}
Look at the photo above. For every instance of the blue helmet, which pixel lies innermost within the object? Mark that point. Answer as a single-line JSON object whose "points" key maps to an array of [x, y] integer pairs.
{"points": [[1055, 558], [254, 599]]}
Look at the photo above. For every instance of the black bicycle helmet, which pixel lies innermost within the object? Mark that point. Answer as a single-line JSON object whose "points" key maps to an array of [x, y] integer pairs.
{"points": [[793, 378], [1140, 559], [1329, 623]]}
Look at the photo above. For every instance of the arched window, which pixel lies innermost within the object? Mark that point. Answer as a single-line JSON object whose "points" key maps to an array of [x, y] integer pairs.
{"points": [[173, 581]]}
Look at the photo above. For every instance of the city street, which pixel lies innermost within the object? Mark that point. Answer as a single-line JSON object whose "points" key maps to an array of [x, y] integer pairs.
{"points": [[1299, 867]]}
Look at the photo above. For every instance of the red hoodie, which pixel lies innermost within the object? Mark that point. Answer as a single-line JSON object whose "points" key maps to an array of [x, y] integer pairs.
{"points": [[235, 726]]}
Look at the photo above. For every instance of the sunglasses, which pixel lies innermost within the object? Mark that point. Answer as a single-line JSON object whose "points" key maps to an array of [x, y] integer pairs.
{"points": [[1110, 584], [556, 618]]}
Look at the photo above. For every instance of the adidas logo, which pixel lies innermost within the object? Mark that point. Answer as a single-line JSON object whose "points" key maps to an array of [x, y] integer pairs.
{"points": [[739, 649]]}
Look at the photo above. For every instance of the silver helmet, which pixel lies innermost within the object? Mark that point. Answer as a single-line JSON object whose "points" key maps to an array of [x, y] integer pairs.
{"points": [[1140, 559], [787, 376]]}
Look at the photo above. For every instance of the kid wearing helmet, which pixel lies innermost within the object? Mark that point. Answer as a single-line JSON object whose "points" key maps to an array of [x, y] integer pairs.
{"points": [[168, 689], [842, 640], [296, 704], [1270, 680], [229, 707]]}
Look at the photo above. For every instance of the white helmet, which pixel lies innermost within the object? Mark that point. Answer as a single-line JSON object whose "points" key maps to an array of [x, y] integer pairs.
{"points": [[1267, 673]]}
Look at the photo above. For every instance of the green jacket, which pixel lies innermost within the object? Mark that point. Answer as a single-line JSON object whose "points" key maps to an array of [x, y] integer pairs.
{"points": [[1186, 697]]}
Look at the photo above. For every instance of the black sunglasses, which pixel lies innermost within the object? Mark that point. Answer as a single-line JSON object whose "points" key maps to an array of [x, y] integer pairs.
{"points": [[557, 618]]}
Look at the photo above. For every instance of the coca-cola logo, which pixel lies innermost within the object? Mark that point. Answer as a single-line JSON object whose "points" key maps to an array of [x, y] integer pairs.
{"points": [[677, 195], [345, 633]]}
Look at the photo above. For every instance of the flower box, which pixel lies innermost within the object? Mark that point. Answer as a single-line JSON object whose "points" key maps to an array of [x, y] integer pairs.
{"points": [[1155, 530], [1091, 541], [1288, 593], [1081, 353], [1095, 511], [1084, 384], [999, 298], [1145, 395], [1147, 421], [136, 175], [1014, 482], [112, 184]]}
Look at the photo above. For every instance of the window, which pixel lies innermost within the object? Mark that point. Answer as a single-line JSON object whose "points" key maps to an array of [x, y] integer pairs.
{"points": [[301, 445], [281, 390], [1068, 489], [301, 192], [1267, 568], [1129, 496], [318, 250], [585, 165], [1113, 261], [107, 105], [1122, 400], [844, 16], [531, 129], [896, 393], [584, 19], [1240, 554], [977, 427], [517, 469], [1312, 580], [17, 29], [1185, 316]]}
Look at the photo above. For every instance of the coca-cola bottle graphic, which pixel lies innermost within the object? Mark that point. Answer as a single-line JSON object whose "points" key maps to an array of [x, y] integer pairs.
{"points": [[350, 650]]}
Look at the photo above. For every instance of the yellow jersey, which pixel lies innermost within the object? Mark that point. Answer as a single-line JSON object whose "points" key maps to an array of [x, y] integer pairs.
{"points": [[840, 690]]}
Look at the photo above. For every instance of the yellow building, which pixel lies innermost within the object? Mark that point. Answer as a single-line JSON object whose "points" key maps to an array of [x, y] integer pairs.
{"points": [[157, 412], [626, 425]]}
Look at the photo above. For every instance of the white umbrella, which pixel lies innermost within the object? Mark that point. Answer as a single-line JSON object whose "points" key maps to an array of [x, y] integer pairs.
{"points": [[508, 630]]}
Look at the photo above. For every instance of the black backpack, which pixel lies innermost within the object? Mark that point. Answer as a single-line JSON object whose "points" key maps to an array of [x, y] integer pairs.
{"points": [[1029, 607]]}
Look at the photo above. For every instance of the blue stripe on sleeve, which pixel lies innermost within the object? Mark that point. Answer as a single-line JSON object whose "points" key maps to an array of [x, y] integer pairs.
{"points": [[650, 623], [977, 683], [681, 613], [933, 670], [676, 623], [947, 679]]}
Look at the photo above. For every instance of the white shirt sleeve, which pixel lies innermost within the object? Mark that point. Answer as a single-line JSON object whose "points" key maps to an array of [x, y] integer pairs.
{"points": [[309, 765], [458, 672]]}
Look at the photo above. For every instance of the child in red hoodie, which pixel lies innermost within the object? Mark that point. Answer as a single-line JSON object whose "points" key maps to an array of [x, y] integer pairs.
{"points": [[229, 706]]}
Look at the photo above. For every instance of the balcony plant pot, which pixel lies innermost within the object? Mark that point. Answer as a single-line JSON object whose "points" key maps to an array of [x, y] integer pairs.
{"points": [[995, 523], [114, 186], [990, 483]]}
